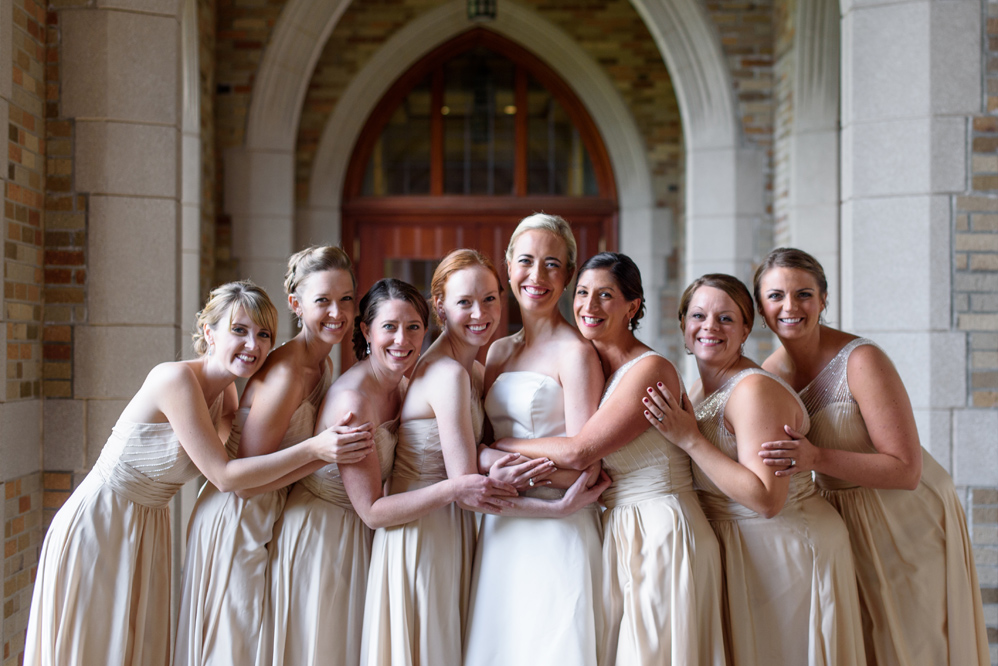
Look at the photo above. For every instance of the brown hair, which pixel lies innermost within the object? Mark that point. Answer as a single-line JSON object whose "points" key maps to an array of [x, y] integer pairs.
{"points": [[789, 257], [627, 276], [554, 224], [385, 289], [730, 285], [226, 298], [456, 261], [315, 259]]}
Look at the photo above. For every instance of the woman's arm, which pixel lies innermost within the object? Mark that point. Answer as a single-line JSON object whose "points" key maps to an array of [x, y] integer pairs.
{"points": [[755, 409], [581, 378], [586, 489], [886, 410], [178, 395], [613, 426]]}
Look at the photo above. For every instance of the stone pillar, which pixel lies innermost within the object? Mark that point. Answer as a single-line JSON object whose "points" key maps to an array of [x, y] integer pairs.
{"points": [[120, 86], [911, 76]]}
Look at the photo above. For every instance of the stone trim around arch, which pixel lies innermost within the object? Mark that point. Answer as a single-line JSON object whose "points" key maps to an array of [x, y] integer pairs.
{"points": [[724, 197]]}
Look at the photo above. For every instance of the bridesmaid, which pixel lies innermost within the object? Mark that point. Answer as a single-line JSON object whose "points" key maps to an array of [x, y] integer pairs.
{"points": [[918, 584], [536, 585], [661, 563], [225, 570], [789, 578], [102, 592], [322, 546]]}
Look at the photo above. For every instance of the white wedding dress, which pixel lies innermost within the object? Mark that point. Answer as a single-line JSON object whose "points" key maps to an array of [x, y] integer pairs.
{"points": [[537, 582]]}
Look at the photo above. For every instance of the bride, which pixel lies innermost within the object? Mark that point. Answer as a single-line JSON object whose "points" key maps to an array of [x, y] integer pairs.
{"points": [[537, 581]]}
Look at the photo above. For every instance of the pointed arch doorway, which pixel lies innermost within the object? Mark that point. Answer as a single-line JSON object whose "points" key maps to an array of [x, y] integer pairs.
{"points": [[477, 135]]}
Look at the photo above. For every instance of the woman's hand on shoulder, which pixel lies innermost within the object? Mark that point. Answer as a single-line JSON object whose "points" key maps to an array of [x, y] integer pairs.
{"points": [[674, 418], [350, 437], [790, 456]]}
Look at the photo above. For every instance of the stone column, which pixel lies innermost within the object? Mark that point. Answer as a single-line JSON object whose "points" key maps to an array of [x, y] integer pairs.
{"points": [[120, 85], [911, 76]]}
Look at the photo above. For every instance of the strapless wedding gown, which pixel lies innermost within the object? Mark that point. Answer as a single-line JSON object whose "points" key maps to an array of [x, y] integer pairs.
{"points": [[536, 587]]}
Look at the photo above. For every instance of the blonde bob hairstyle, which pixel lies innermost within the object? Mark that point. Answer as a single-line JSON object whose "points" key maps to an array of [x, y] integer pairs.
{"points": [[224, 300], [456, 261], [554, 224]]}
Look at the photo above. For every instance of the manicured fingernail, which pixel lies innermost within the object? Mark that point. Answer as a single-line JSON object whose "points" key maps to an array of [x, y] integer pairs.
{"points": [[660, 384], [649, 389], [644, 400]]}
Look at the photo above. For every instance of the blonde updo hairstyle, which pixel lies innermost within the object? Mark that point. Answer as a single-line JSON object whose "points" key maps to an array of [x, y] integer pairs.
{"points": [[456, 261], [315, 259], [554, 224], [224, 300], [730, 285]]}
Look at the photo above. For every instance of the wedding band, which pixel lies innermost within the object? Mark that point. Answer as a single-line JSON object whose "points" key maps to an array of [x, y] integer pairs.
{"points": [[659, 418], [793, 462], [530, 482]]}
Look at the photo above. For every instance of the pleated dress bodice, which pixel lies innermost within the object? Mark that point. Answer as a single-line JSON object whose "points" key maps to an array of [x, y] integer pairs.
{"points": [[710, 419], [419, 458], [649, 466], [327, 484], [145, 462]]}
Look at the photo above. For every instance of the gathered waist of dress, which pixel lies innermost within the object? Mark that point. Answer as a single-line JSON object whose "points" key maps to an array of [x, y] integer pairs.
{"points": [[719, 507], [414, 467], [826, 482], [328, 490], [132, 484], [644, 484]]}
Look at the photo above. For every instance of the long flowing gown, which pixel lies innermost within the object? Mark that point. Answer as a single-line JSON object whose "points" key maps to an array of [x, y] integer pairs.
{"points": [[225, 570], [661, 562], [319, 559], [789, 581], [920, 599], [535, 591], [102, 592], [420, 575]]}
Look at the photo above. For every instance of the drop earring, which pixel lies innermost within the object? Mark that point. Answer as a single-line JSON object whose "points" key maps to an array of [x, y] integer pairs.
{"points": [[367, 352]]}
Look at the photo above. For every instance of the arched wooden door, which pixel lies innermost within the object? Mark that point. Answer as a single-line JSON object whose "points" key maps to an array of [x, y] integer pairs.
{"points": [[474, 137]]}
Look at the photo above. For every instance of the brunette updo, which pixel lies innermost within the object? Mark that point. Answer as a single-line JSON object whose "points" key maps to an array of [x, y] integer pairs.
{"points": [[790, 257], [730, 285], [627, 276], [315, 259], [385, 289], [456, 261], [223, 300]]}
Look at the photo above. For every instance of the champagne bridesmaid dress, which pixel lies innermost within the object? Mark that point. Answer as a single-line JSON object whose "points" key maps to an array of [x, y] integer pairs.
{"points": [[661, 563], [319, 559], [789, 581], [420, 576], [920, 598], [225, 570], [102, 592]]}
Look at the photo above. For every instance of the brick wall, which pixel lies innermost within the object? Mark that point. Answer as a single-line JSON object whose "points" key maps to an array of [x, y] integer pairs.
{"points": [[22, 537], [784, 68], [207, 15]]}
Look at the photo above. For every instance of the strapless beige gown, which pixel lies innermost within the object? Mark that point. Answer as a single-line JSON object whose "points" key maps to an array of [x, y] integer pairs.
{"points": [[319, 559], [920, 598], [661, 563], [420, 576], [789, 581], [225, 570], [102, 592]]}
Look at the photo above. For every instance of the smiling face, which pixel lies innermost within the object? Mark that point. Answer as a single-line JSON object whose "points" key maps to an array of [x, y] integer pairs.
{"points": [[714, 327], [538, 270], [601, 310], [470, 307], [243, 346], [326, 304], [790, 301], [395, 335]]}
